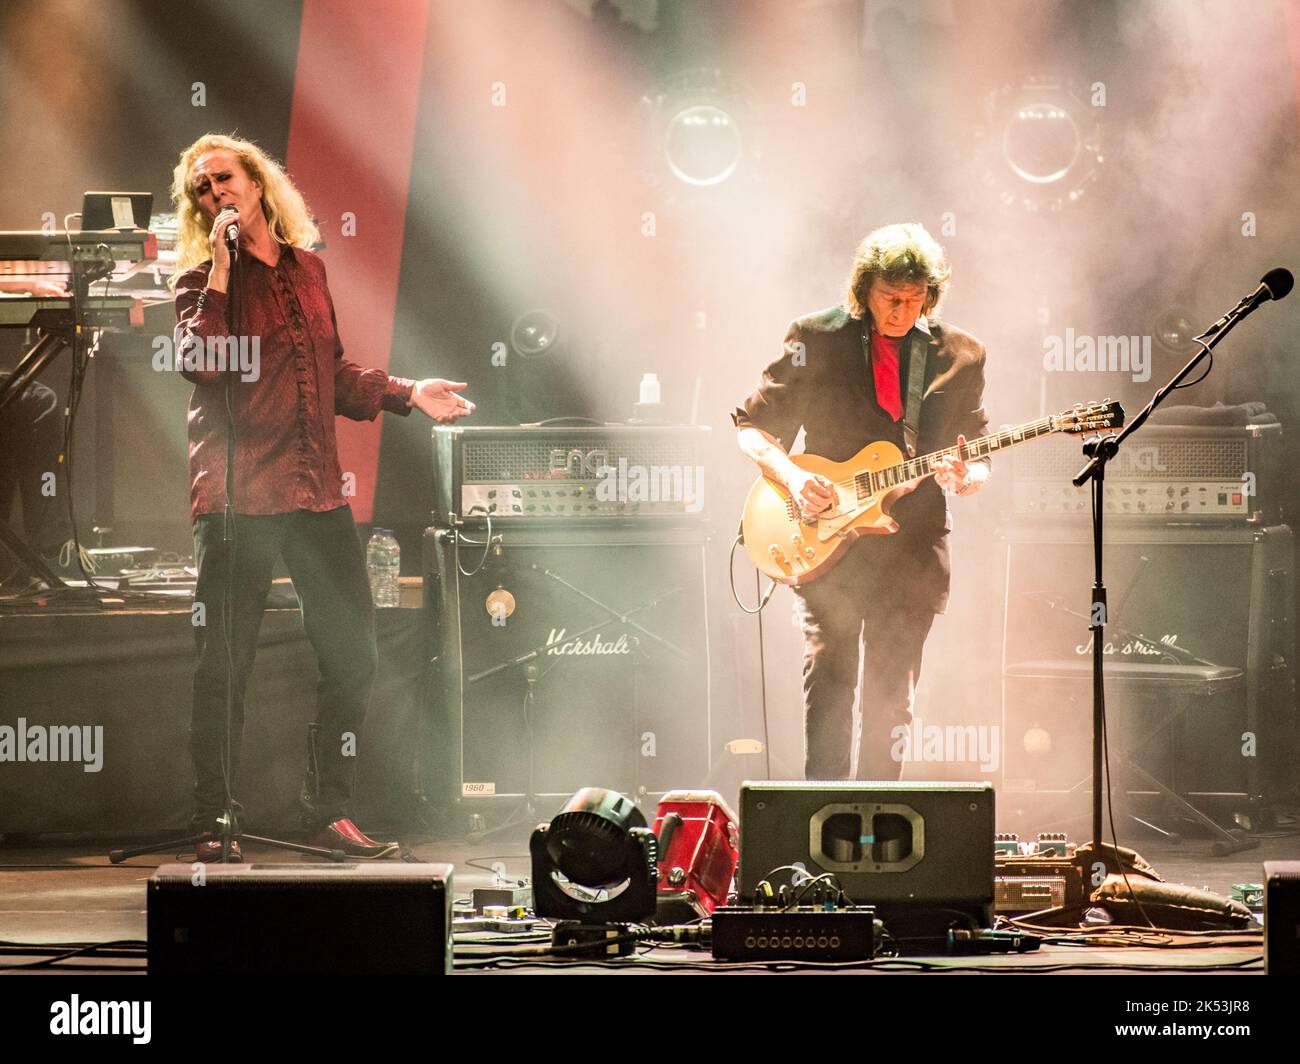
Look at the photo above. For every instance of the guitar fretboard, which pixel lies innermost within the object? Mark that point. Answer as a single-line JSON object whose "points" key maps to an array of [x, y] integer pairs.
{"points": [[868, 483]]}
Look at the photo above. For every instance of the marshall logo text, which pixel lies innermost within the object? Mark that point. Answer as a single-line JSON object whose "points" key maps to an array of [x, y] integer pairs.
{"points": [[557, 644]]}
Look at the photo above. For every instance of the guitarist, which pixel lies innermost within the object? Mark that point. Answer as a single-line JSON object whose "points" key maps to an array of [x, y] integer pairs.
{"points": [[846, 378]]}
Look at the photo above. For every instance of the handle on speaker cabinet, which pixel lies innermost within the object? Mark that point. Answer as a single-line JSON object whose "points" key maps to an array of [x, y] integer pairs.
{"points": [[667, 829]]}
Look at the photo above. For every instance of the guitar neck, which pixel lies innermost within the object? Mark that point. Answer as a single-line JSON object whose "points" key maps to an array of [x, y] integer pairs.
{"points": [[924, 465]]}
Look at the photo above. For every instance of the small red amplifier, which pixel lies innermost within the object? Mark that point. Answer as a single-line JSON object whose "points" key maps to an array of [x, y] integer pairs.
{"points": [[697, 854]]}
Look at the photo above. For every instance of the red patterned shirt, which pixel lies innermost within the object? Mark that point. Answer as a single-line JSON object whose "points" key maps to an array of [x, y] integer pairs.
{"points": [[290, 380]]}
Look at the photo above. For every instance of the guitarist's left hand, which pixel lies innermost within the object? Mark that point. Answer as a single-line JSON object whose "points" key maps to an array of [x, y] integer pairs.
{"points": [[957, 477]]}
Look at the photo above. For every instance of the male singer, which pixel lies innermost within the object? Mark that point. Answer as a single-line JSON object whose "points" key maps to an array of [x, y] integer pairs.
{"points": [[290, 497]]}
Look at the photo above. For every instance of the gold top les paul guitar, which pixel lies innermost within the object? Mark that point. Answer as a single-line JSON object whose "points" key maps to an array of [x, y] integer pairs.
{"points": [[794, 547]]}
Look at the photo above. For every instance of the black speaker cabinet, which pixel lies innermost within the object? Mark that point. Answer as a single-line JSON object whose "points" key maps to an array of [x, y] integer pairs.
{"points": [[907, 848], [1183, 601], [571, 657], [1282, 917], [300, 919]]}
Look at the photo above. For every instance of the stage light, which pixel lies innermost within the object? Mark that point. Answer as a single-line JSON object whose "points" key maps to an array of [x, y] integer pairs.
{"points": [[1040, 145], [534, 333], [1041, 142], [703, 145], [698, 122], [543, 370], [1173, 330], [594, 868]]}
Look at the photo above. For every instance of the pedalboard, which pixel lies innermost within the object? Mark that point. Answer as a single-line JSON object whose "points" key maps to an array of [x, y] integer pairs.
{"points": [[1029, 876]]}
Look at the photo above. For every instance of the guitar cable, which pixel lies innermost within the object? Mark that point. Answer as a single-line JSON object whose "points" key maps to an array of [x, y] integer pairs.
{"points": [[762, 657], [731, 573]]}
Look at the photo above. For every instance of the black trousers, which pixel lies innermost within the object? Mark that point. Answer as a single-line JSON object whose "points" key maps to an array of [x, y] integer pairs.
{"points": [[866, 620], [323, 554], [31, 437]]}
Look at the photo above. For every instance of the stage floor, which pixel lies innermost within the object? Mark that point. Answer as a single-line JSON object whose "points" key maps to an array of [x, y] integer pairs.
{"points": [[61, 894]]}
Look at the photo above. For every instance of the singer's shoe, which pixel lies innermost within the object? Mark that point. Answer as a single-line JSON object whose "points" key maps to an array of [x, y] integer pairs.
{"points": [[344, 835], [208, 850]]}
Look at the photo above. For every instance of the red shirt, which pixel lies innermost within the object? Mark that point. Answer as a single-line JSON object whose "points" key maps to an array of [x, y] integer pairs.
{"points": [[884, 364], [286, 454]]}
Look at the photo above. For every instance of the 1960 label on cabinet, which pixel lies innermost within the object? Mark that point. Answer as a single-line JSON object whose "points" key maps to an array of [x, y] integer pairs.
{"points": [[469, 789]]}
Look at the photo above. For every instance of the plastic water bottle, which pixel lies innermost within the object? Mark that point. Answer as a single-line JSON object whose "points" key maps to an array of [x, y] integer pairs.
{"points": [[649, 410], [650, 394], [384, 563]]}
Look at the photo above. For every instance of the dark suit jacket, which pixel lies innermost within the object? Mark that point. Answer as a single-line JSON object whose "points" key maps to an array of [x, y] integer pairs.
{"points": [[823, 384]]}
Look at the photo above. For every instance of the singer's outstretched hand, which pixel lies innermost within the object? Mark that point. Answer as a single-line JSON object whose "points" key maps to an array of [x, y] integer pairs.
{"points": [[438, 399]]}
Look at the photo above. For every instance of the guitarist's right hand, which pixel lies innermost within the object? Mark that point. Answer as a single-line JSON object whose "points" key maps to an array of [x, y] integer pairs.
{"points": [[813, 493]]}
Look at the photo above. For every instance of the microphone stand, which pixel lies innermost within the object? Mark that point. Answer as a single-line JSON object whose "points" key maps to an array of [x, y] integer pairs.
{"points": [[1100, 450], [532, 674]]}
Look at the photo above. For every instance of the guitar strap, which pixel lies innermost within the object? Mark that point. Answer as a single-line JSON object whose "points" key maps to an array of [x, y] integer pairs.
{"points": [[918, 348]]}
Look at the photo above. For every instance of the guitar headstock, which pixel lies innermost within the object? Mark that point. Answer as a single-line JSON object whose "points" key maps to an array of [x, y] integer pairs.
{"points": [[1089, 417]]}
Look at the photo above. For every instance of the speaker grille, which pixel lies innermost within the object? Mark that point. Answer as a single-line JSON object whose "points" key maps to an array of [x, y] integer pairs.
{"points": [[516, 457], [1186, 458], [606, 677]]}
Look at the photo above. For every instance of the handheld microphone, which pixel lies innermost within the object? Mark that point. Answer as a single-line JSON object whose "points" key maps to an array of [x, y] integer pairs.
{"points": [[1276, 284], [232, 227]]}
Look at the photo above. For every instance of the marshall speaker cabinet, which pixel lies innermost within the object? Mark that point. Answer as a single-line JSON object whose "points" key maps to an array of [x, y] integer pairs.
{"points": [[569, 658], [1199, 642]]}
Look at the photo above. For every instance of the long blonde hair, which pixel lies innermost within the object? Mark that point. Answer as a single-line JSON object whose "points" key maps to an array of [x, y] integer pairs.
{"points": [[286, 212], [901, 253]]}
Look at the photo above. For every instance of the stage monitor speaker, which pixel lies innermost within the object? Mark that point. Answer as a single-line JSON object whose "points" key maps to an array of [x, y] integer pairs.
{"points": [[571, 657], [300, 919], [1183, 599], [910, 849], [1282, 917]]}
